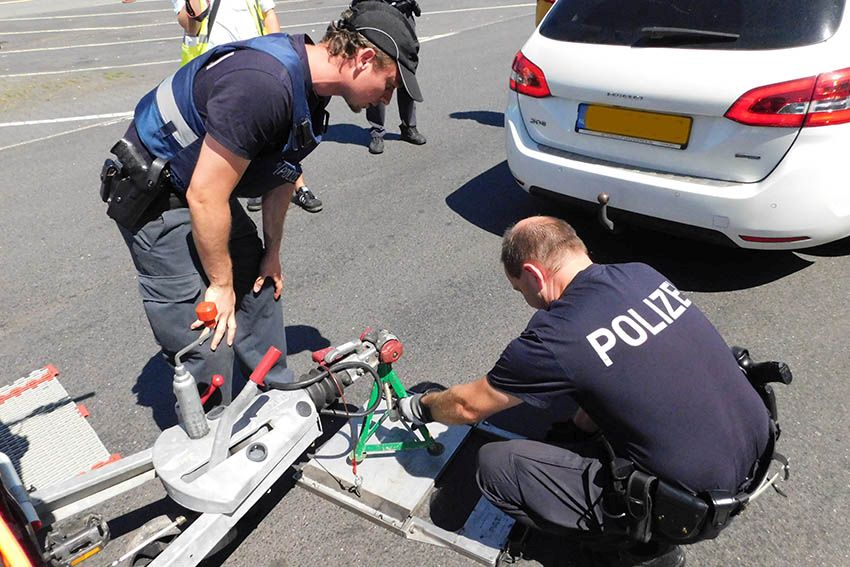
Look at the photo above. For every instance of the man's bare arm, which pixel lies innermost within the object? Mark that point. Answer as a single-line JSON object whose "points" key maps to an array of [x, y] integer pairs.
{"points": [[189, 25], [216, 174], [270, 22], [468, 403], [275, 204]]}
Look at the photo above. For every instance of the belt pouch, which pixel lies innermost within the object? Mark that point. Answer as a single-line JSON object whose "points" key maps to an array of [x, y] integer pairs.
{"points": [[639, 505], [678, 515]]}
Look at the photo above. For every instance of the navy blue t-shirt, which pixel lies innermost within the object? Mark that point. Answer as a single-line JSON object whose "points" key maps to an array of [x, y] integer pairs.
{"points": [[245, 101], [649, 369]]}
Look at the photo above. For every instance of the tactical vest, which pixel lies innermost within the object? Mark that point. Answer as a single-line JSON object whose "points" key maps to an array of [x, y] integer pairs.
{"points": [[168, 122]]}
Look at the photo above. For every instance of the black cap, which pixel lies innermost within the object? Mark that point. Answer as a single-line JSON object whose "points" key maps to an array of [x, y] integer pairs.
{"points": [[387, 28]]}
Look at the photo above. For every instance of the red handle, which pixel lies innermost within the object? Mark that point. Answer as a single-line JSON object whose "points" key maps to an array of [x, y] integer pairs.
{"points": [[217, 382], [269, 359]]}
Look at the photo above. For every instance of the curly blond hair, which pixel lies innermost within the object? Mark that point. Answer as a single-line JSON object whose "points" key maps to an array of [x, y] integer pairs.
{"points": [[342, 40]]}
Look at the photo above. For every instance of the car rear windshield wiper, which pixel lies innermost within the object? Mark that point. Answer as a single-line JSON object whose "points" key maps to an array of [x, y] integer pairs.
{"points": [[668, 35]]}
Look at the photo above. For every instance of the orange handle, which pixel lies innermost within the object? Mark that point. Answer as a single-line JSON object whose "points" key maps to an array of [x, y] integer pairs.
{"points": [[207, 312]]}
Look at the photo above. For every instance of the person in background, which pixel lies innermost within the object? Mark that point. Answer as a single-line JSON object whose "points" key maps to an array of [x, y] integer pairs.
{"points": [[376, 115]]}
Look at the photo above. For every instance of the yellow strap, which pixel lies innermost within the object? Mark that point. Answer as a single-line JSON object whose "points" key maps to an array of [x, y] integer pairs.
{"points": [[202, 31], [259, 16]]}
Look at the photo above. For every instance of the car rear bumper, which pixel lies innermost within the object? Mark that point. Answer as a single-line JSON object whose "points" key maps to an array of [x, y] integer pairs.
{"points": [[808, 194]]}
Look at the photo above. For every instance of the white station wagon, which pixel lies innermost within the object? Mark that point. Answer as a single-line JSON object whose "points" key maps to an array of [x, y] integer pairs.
{"points": [[726, 120]]}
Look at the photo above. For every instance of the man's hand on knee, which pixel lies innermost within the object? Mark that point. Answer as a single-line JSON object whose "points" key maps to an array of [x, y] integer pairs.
{"points": [[270, 268]]}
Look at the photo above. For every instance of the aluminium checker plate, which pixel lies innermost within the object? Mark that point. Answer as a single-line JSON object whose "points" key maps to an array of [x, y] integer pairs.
{"points": [[43, 433]]}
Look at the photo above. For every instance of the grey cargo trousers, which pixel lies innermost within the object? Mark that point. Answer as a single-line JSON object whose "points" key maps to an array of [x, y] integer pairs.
{"points": [[546, 487], [172, 282]]}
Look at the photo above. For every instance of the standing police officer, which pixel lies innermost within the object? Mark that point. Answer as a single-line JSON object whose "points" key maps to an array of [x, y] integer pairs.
{"points": [[645, 366], [236, 122]]}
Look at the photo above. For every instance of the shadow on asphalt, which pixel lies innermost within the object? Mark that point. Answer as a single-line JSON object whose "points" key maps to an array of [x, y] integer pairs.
{"points": [[493, 202], [300, 338], [831, 250], [153, 390], [153, 386], [486, 117]]}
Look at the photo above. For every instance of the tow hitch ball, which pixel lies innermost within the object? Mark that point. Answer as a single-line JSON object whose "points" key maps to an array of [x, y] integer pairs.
{"points": [[603, 199]]}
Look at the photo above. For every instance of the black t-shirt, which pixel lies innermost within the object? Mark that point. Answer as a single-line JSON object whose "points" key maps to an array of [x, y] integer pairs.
{"points": [[649, 369], [245, 101]]}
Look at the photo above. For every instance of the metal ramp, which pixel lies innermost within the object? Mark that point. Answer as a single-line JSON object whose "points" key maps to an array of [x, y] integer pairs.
{"points": [[44, 434], [396, 488]]}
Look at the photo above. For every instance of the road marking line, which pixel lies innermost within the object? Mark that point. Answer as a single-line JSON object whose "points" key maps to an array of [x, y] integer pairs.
{"points": [[14, 1], [107, 28], [126, 115], [32, 19], [41, 73], [106, 14], [112, 28], [105, 68], [68, 119], [479, 9], [151, 40], [471, 28], [19, 144]]}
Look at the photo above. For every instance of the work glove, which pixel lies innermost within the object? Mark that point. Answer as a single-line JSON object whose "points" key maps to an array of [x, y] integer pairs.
{"points": [[413, 410]]}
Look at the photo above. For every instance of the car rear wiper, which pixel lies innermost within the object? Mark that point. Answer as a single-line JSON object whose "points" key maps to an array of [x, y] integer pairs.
{"points": [[668, 35]]}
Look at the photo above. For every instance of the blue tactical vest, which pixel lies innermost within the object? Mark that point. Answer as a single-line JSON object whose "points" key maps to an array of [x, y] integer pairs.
{"points": [[168, 122]]}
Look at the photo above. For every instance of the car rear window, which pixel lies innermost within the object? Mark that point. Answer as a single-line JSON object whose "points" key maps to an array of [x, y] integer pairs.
{"points": [[718, 24]]}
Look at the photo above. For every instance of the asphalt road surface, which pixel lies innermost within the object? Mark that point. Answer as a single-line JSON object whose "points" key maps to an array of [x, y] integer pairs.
{"points": [[408, 241]]}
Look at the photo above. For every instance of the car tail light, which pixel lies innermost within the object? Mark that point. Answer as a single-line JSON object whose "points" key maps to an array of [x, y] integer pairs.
{"points": [[527, 78], [813, 101], [831, 99]]}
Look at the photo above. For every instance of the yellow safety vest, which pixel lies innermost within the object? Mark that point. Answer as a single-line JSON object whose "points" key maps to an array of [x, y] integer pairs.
{"points": [[195, 45]]}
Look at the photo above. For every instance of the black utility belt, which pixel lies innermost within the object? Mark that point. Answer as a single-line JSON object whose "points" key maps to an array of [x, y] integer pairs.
{"points": [[135, 188], [647, 507]]}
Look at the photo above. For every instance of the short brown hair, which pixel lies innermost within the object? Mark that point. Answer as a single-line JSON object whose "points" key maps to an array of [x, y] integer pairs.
{"points": [[344, 42], [540, 239]]}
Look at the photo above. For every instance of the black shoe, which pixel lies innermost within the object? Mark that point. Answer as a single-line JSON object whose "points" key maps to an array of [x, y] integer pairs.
{"points": [[411, 134], [255, 204], [305, 199], [668, 556], [376, 146]]}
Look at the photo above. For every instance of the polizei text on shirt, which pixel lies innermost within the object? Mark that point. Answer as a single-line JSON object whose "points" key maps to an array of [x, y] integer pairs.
{"points": [[655, 313]]}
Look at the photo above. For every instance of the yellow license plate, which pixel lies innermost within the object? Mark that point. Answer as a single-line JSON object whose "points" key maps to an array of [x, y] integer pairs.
{"points": [[668, 130]]}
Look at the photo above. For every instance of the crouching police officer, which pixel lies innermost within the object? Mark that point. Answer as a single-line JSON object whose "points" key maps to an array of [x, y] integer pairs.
{"points": [[236, 122], [682, 423]]}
